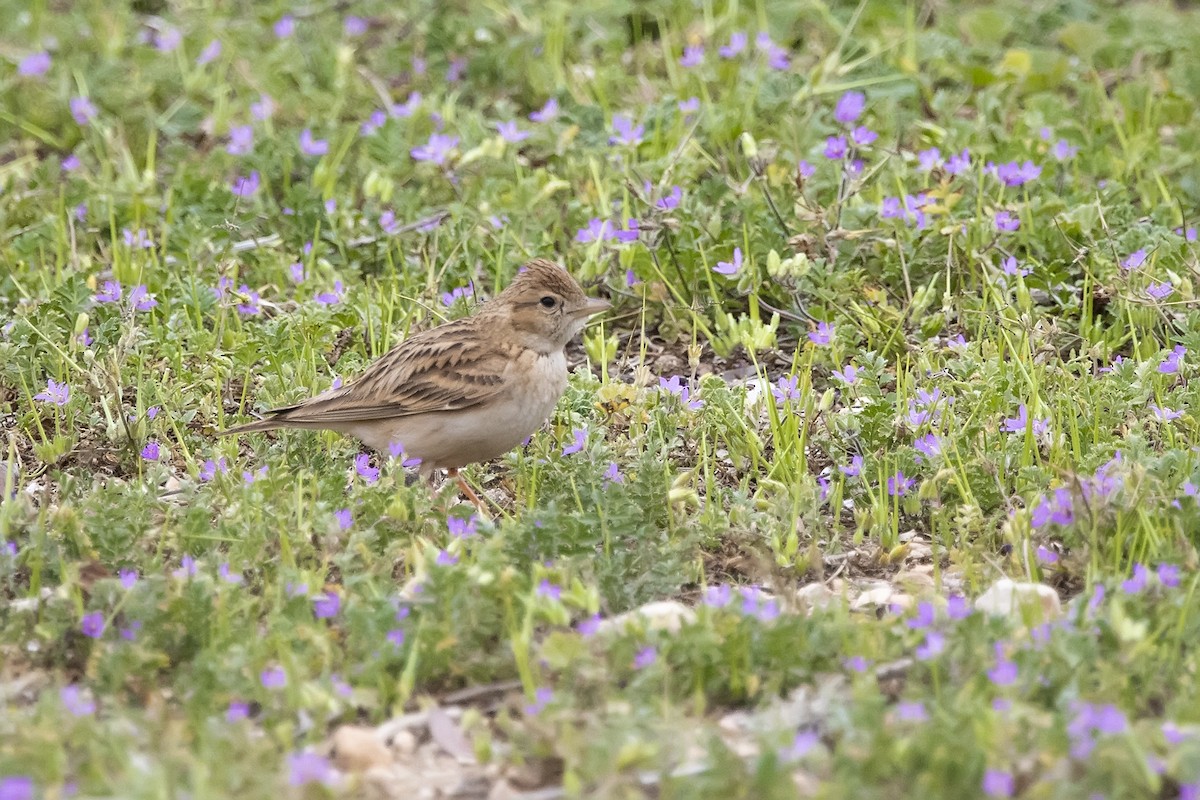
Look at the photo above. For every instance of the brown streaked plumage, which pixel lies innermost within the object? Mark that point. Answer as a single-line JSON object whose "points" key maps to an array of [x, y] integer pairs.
{"points": [[466, 391]]}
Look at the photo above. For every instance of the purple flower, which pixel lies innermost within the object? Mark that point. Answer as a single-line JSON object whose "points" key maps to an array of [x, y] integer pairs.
{"points": [[579, 443], [331, 298], [460, 293], [1168, 575], [445, 559], [273, 678], [847, 374], [140, 299], [854, 468], [929, 445], [310, 146], [673, 386], [228, 575], [510, 132], [541, 698], [997, 783], [187, 567], [1135, 259], [151, 451], [737, 43], [899, 484], [128, 578], [927, 160], [327, 605], [437, 149], [805, 169], [823, 334], [211, 468], [1171, 364], [168, 40], [597, 230], [241, 140], [645, 657], [911, 711], [374, 122], [285, 26], [1046, 556], [456, 70], [305, 768], [1004, 673], [16, 787], [354, 26], [546, 113], [70, 163], [1056, 508], [295, 589], [934, 644], [238, 710], [252, 306], [785, 390], [1188, 235], [693, 56], [395, 638], [718, 596], [778, 57], [624, 131], [344, 517], [1137, 582], [210, 52], [1173, 734], [1011, 266], [730, 267], [856, 664], [924, 617], [1020, 422], [362, 465], [548, 590], [1063, 150], [630, 233], [1005, 221], [670, 201], [245, 186], [92, 625], [76, 702], [263, 109], [34, 65], [82, 110], [55, 392], [1164, 414], [863, 136], [588, 626], [849, 107], [957, 607], [1014, 174], [835, 147], [959, 163], [461, 528], [1160, 291], [613, 473]]}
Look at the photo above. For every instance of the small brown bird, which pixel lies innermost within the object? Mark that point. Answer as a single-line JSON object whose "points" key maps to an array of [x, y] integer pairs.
{"points": [[466, 391]]}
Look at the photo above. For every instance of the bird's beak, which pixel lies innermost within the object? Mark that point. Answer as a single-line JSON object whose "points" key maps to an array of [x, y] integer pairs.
{"points": [[593, 306]]}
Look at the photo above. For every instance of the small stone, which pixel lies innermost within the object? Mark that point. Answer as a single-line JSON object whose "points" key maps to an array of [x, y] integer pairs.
{"points": [[1008, 598], [357, 749], [660, 615]]}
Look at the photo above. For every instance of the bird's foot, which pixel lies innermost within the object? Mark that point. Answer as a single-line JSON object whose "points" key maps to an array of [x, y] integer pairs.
{"points": [[469, 493]]}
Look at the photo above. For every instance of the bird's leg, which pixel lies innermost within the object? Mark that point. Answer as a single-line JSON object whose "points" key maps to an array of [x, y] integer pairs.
{"points": [[470, 494]]}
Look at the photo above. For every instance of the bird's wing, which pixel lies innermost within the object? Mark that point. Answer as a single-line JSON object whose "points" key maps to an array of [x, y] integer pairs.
{"points": [[449, 368]]}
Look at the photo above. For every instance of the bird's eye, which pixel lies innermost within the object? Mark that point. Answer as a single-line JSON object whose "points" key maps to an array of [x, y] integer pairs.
{"points": [[548, 302]]}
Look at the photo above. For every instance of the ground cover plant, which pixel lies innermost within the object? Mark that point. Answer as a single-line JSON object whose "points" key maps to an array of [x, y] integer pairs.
{"points": [[903, 310]]}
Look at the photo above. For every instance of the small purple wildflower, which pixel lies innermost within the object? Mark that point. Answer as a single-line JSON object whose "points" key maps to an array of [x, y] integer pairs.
{"points": [[823, 334], [911, 711], [927, 160], [613, 473], [92, 625], [718, 596], [899, 484], [1135, 260], [785, 390], [1064, 150], [187, 568], [935, 643], [34, 65], [237, 711], [395, 637], [1010, 266], [856, 664], [167, 41], [693, 56], [929, 446], [863, 136], [445, 559], [1014, 174], [835, 148], [673, 386], [548, 590], [327, 605], [959, 163], [645, 657], [151, 451], [805, 169], [924, 617], [957, 607], [211, 468], [671, 200], [128, 578], [436, 150], [55, 392], [1168, 575], [241, 140], [541, 698], [1006, 222], [1160, 291], [624, 131], [849, 107], [354, 26], [140, 299], [597, 230], [76, 702], [1056, 508], [306, 767], [730, 267], [737, 44], [228, 575], [997, 783], [310, 146], [1164, 414], [579, 443], [1046, 556], [511, 132], [1004, 672], [854, 468], [459, 293], [1171, 364], [331, 298], [1137, 582], [82, 110], [462, 528], [273, 678], [245, 185], [344, 517], [689, 106], [456, 70], [70, 163], [546, 113], [362, 466], [210, 52], [1020, 422], [847, 374], [630, 233]]}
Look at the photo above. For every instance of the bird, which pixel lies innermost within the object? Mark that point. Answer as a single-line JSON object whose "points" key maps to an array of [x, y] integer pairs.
{"points": [[466, 391]]}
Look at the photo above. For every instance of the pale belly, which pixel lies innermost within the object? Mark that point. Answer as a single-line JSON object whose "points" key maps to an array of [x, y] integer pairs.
{"points": [[453, 439]]}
